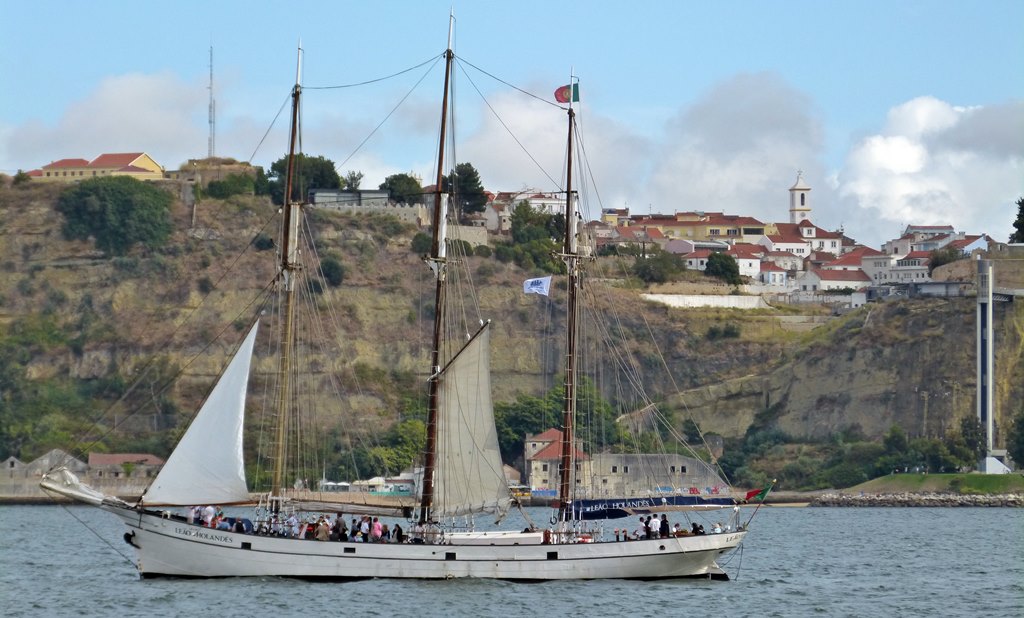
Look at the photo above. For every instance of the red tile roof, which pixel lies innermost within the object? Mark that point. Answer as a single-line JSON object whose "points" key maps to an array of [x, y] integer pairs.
{"points": [[120, 159], [67, 163], [550, 435], [554, 451], [841, 275]]}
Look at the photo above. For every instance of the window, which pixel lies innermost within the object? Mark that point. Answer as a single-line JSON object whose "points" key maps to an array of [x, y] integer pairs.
{"points": [[604, 481], [544, 468], [615, 469], [625, 469], [803, 198], [714, 232], [544, 482], [673, 469]]}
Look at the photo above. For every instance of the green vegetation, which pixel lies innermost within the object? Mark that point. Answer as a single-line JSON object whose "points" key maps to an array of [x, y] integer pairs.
{"points": [[659, 266], [1015, 439], [1018, 224], [403, 188], [724, 267], [846, 460], [941, 257], [536, 236], [310, 173], [333, 271], [234, 184], [464, 183], [118, 212]]}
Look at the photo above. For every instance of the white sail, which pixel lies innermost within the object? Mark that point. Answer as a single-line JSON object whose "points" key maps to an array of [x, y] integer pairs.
{"points": [[207, 466], [469, 475]]}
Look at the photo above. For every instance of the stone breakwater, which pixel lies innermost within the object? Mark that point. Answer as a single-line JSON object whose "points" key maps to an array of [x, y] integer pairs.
{"points": [[911, 499]]}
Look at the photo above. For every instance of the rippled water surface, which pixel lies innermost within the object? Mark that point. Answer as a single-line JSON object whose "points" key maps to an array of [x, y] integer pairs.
{"points": [[795, 562]]}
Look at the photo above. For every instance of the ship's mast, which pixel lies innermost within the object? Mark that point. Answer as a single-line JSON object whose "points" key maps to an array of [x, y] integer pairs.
{"points": [[288, 268], [570, 255], [437, 261]]}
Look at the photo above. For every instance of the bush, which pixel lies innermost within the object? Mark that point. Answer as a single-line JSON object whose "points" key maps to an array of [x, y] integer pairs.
{"points": [[118, 212], [234, 184], [262, 242], [333, 270], [421, 243]]}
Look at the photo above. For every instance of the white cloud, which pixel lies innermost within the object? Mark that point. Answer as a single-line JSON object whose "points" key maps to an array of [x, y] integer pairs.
{"points": [[127, 113], [937, 164]]}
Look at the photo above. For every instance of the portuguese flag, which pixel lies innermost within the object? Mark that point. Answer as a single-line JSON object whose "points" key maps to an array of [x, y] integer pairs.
{"points": [[563, 94], [758, 494]]}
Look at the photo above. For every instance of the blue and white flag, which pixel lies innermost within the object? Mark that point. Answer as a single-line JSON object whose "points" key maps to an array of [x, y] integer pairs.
{"points": [[540, 285]]}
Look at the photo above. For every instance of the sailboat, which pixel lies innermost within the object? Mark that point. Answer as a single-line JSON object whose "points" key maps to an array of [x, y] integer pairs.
{"points": [[462, 467]]}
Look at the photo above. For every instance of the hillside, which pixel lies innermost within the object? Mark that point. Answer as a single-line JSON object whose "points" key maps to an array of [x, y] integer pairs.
{"points": [[76, 315]]}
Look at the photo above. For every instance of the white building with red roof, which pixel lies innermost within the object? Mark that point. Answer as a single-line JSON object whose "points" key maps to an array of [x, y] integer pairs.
{"points": [[772, 275], [818, 280], [543, 454], [912, 267]]}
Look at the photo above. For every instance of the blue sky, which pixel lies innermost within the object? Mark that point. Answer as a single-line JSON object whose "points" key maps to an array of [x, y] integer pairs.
{"points": [[897, 112]]}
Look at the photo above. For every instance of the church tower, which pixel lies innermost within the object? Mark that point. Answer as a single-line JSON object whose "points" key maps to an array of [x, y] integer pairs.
{"points": [[799, 200]]}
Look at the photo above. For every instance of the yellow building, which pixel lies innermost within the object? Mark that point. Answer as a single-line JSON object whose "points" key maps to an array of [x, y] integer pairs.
{"points": [[135, 164]]}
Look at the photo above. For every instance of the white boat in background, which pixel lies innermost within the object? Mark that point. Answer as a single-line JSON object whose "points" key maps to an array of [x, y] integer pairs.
{"points": [[463, 473]]}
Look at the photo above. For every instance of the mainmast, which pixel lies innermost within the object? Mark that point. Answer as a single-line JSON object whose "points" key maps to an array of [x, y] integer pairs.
{"points": [[570, 256], [288, 268], [437, 260]]}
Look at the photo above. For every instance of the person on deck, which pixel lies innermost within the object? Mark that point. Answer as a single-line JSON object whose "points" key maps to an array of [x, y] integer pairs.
{"points": [[665, 530]]}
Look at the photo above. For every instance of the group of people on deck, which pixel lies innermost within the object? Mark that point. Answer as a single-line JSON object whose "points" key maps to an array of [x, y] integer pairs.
{"points": [[653, 527], [323, 528]]}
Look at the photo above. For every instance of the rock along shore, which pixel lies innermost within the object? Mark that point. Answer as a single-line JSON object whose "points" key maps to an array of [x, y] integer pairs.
{"points": [[912, 499]]}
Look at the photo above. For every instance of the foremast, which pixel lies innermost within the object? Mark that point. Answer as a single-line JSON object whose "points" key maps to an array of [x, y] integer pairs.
{"points": [[287, 271], [437, 260], [571, 257]]}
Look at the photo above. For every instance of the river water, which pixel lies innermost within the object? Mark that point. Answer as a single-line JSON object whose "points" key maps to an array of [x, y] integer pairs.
{"points": [[57, 561]]}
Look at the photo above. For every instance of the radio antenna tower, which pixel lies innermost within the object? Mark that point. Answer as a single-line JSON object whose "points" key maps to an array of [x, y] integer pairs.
{"points": [[213, 112]]}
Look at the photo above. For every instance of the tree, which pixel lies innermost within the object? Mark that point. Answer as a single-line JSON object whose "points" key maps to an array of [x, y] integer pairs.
{"points": [[403, 188], [310, 173], [1015, 439], [1018, 236], [659, 267], [723, 267], [973, 435], [118, 212], [352, 180], [464, 184], [941, 257]]}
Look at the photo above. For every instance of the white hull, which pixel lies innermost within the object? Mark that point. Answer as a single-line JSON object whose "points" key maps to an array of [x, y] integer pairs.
{"points": [[170, 547]]}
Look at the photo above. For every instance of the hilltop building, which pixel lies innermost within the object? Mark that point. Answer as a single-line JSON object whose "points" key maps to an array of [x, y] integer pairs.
{"points": [[137, 165]]}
